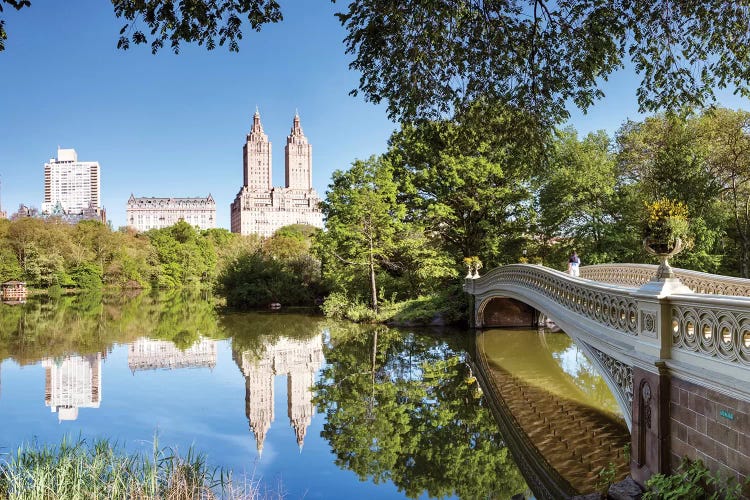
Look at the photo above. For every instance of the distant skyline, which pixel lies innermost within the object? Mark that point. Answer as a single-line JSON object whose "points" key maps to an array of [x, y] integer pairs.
{"points": [[174, 125]]}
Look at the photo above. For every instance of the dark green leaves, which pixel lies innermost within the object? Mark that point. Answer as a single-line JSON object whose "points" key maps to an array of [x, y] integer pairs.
{"points": [[192, 21], [429, 58]]}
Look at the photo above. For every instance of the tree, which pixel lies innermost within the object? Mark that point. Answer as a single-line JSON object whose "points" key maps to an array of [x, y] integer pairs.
{"points": [[726, 137], [577, 198], [427, 59], [362, 221], [281, 270], [467, 181]]}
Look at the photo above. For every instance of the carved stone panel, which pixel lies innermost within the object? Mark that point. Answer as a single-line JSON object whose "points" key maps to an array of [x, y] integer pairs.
{"points": [[619, 372]]}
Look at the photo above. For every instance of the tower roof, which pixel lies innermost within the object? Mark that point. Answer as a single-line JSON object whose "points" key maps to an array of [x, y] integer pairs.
{"points": [[256, 132], [296, 126]]}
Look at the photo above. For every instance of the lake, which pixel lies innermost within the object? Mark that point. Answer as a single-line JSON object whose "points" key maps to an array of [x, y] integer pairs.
{"points": [[305, 406]]}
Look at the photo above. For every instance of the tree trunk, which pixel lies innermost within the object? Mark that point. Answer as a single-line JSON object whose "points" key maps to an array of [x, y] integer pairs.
{"points": [[373, 284]]}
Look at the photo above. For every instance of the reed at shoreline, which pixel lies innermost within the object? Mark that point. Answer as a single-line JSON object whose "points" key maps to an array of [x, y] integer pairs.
{"points": [[76, 469]]}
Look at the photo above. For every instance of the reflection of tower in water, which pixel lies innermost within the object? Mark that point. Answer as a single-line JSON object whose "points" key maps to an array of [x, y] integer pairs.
{"points": [[72, 382], [148, 354], [299, 360]]}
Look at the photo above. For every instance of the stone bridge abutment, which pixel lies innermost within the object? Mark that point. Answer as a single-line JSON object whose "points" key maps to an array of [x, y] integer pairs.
{"points": [[678, 362]]}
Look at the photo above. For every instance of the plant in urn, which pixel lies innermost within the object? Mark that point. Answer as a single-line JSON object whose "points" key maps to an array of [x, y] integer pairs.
{"points": [[473, 264], [665, 232]]}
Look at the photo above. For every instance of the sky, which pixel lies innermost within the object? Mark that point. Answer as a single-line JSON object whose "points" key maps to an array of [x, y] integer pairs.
{"points": [[174, 125]]}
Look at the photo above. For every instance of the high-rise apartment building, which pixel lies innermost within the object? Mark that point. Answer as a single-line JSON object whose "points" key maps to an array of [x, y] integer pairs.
{"points": [[71, 383], [70, 186], [260, 208], [157, 213]]}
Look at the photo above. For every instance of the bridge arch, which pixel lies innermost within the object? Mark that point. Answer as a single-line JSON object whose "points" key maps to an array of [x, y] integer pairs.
{"points": [[522, 305]]}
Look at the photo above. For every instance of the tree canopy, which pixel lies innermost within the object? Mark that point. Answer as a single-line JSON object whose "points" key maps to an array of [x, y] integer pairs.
{"points": [[428, 59]]}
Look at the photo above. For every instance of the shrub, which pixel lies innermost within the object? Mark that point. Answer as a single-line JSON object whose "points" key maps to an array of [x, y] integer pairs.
{"points": [[691, 481]]}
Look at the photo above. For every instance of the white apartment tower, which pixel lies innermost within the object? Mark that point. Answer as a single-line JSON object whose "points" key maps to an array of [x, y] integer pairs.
{"points": [[71, 184], [72, 383], [260, 208]]}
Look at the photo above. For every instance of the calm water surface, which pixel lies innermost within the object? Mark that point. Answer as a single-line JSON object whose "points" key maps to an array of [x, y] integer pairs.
{"points": [[310, 407]]}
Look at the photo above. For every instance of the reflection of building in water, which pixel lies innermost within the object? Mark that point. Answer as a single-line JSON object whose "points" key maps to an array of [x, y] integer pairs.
{"points": [[148, 354], [300, 361], [71, 383]]}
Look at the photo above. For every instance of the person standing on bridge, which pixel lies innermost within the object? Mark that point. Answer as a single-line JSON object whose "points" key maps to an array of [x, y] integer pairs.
{"points": [[573, 264]]}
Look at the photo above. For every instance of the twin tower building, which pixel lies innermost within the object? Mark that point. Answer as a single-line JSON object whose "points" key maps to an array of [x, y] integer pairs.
{"points": [[260, 208]]}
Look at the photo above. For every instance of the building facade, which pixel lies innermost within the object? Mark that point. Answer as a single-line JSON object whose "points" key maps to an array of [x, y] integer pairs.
{"points": [[300, 361], [71, 185], [150, 354], [260, 208], [157, 213], [72, 383]]}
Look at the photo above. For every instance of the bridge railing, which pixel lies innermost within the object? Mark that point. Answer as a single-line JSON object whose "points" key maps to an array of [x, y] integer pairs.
{"points": [[635, 275], [708, 331], [603, 303], [715, 328]]}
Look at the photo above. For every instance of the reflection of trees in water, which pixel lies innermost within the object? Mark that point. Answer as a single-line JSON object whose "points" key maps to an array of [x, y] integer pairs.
{"points": [[251, 332], [92, 322], [405, 408], [581, 371]]}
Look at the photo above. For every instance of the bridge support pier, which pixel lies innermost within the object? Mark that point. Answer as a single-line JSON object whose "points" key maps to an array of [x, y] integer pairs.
{"points": [[650, 437]]}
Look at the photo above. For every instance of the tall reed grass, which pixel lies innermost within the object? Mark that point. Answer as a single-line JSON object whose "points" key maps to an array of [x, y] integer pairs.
{"points": [[76, 470]]}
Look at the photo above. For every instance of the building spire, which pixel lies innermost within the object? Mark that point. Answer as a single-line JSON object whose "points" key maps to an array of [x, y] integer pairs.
{"points": [[296, 126], [257, 126]]}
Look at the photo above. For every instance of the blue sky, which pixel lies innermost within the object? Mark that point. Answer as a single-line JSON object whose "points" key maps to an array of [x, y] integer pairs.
{"points": [[168, 125]]}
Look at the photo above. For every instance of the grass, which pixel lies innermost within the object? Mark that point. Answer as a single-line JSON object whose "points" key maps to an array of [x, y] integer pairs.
{"points": [[77, 470]]}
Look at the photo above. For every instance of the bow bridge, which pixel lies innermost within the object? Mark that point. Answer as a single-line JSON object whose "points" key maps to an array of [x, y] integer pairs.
{"points": [[675, 351]]}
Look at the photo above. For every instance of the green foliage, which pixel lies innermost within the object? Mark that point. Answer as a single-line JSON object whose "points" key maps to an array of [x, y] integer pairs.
{"points": [[281, 270], [607, 476], [448, 306], [367, 241], [204, 23], [87, 275], [425, 59], [466, 181], [691, 481]]}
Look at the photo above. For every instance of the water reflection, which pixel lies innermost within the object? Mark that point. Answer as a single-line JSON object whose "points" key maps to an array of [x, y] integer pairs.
{"points": [[399, 413], [569, 422], [71, 383], [406, 408], [299, 360], [149, 354]]}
